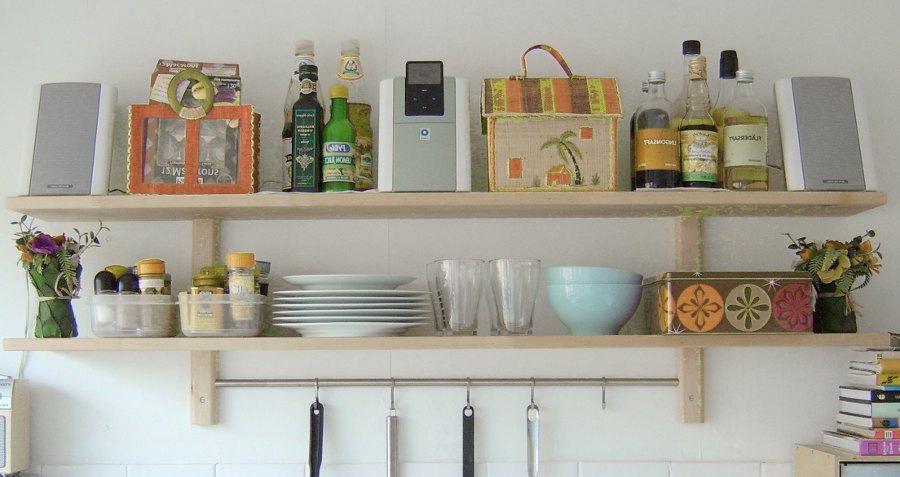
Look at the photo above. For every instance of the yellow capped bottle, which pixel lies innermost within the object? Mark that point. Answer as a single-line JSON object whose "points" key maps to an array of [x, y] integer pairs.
{"points": [[746, 138], [339, 146]]}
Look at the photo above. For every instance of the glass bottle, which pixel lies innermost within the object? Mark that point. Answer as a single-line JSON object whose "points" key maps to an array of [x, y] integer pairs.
{"points": [[698, 138], [304, 54], [339, 151], [728, 66], [689, 49], [350, 74], [644, 87], [746, 141], [307, 126], [656, 164]]}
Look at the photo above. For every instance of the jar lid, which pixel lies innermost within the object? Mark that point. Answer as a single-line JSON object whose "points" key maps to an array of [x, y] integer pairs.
{"points": [[240, 260], [150, 265]]}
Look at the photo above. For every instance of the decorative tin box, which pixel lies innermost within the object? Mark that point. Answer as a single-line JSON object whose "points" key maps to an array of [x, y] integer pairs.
{"points": [[725, 302], [551, 134]]}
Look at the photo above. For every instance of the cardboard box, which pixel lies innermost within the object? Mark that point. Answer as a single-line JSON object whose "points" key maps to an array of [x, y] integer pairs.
{"points": [[551, 134], [724, 302], [217, 154]]}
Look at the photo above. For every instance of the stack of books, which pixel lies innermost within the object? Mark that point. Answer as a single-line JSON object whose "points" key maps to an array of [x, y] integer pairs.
{"points": [[868, 422]]}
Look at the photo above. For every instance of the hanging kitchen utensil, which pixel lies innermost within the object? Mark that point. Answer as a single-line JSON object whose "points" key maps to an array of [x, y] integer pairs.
{"points": [[534, 435], [468, 440], [316, 434], [392, 449]]}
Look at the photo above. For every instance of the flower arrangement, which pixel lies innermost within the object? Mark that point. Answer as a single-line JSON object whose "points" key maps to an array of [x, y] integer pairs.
{"points": [[53, 265], [837, 263]]}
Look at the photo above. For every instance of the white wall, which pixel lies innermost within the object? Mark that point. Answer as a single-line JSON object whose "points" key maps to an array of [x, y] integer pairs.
{"points": [[127, 413]]}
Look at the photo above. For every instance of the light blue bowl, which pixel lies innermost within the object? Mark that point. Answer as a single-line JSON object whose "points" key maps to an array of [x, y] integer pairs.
{"points": [[595, 309], [590, 275]]}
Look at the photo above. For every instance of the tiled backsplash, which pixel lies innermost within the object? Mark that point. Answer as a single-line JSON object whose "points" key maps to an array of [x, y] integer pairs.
{"points": [[515, 469]]}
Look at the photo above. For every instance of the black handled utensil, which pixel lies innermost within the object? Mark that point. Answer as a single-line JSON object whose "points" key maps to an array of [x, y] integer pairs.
{"points": [[316, 434]]}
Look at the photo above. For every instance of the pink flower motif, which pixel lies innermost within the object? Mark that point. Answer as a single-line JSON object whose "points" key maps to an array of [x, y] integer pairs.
{"points": [[793, 307], [44, 244]]}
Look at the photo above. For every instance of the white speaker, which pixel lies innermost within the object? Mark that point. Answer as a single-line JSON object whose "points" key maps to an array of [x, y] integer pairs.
{"points": [[14, 430], [824, 134], [69, 142]]}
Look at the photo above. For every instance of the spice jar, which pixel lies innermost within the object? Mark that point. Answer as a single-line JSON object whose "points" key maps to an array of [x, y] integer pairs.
{"points": [[241, 286], [152, 277]]}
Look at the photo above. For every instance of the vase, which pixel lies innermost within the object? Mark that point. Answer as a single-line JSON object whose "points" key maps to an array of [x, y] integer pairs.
{"points": [[833, 312], [55, 317]]}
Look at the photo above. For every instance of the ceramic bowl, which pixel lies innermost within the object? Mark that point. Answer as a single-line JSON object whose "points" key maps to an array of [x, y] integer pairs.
{"points": [[594, 309], [590, 275]]}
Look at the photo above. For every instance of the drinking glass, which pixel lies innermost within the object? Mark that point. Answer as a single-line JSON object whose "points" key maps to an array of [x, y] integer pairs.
{"points": [[456, 286], [514, 284]]}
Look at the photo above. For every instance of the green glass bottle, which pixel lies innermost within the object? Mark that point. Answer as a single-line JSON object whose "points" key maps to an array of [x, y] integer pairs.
{"points": [[339, 146]]}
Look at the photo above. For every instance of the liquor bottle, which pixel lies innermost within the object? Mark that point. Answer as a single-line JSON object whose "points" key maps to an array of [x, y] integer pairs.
{"points": [[304, 54], [656, 163], [698, 138], [339, 150], [307, 119], [689, 49], [728, 65], [350, 74], [644, 87], [746, 138]]}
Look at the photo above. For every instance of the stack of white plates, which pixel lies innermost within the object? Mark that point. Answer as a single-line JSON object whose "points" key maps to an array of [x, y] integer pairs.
{"points": [[350, 305]]}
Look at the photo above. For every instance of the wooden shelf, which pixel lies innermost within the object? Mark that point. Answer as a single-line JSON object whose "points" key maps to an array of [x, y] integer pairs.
{"points": [[373, 205], [446, 343]]}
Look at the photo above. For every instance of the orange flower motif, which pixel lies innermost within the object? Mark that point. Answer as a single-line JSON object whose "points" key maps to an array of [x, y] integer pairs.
{"points": [[806, 254], [835, 244]]}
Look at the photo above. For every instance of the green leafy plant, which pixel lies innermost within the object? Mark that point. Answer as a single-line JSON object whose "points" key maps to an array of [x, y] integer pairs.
{"points": [[838, 264]]}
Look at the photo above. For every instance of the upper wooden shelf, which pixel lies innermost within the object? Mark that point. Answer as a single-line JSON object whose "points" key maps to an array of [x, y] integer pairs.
{"points": [[439, 342], [373, 205]]}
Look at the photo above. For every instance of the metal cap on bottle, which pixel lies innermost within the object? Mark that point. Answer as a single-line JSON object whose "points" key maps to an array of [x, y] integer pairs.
{"points": [[728, 64], [690, 47], [744, 76], [304, 48], [240, 260], [350, 47], [338, 91], [656, 76], [697, 67]]}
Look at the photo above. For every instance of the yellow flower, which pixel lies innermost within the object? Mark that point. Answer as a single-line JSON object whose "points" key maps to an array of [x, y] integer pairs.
{"points": [[835, 244], [840, 266]]}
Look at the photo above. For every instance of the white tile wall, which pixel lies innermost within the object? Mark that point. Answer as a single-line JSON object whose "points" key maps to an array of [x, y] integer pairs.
{"points": [[83, 471], [267, 470], [714, 469], [519, 469], [777, 469], [191, 470], [623, 469]]}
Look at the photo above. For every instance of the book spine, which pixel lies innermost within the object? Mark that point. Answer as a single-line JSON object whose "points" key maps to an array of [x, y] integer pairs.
{"points": [[879, 447]]}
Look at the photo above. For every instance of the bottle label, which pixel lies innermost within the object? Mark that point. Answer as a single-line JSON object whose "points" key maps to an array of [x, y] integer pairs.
{"points": [[287, 152], [339, 162], [349, 68], [365, 166], [699, 149], [745, 145], [656, 149], [305, 147], [307, 86]]}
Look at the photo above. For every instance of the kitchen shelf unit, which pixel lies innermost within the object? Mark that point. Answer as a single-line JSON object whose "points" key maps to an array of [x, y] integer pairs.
{"points": [[688, 208]]}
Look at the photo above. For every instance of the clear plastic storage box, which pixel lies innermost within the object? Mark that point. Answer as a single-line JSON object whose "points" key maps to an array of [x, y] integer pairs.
{"points": [[133, 316], [221, 315]]}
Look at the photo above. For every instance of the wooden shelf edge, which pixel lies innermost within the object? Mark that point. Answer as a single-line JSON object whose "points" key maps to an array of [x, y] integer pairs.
{"points": [[845, 456], [446, 343], [278, 206]]}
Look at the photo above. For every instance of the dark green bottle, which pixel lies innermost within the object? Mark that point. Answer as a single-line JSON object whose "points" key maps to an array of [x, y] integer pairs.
{"points": [[339, 146], [307, 119]]}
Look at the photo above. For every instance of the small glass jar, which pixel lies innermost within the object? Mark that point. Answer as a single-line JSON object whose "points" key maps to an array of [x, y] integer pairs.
{"points": [[152, 277]]}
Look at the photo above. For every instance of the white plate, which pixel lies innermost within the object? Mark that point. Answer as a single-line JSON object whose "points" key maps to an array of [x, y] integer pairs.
{"points": [[278, 321], [350, 328], [352, 292], [357, 306], [363, 312], [337, 300], [348, 282]]}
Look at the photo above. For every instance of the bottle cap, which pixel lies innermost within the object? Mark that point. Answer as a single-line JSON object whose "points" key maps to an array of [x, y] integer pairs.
{"points": [[656, 76], [150, 265], [690, 47], [304, 48], [728, 64], [104, 282], [240, 260], [309, 71], [744, 76], [128, 283], [697, 67], [338, 91], [645, 86], [350, 47]]}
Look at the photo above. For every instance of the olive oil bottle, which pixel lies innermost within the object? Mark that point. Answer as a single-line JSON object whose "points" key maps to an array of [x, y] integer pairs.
{"points": [[307, 119], [746, 138], [656, 164], [698, 136]]}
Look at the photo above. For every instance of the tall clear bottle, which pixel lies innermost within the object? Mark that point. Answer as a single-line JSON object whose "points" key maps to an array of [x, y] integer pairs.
{"points": [[698, 137], [656, 163], [689, 49], [746, 138], [304, 54], [728, 66], [359, 110], [339, 151], [644, 87], [307, 126]]}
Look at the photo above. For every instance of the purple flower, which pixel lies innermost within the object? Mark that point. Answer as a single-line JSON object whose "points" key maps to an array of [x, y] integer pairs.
{"points": [[44, 244]]}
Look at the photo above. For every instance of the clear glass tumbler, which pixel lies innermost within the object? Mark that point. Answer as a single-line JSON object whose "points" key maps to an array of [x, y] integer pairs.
{"points": [[515, 283], [456, 286]]}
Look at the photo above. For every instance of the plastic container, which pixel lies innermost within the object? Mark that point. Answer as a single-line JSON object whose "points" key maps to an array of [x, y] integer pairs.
{"points": [[221, 315], [133, 316]]}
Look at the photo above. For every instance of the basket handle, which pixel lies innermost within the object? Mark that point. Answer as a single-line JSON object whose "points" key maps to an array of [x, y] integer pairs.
{"points": [[556, 56]]}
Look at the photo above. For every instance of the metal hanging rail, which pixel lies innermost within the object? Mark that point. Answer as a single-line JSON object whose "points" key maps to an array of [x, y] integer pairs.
{"points": [[237, 383]]}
